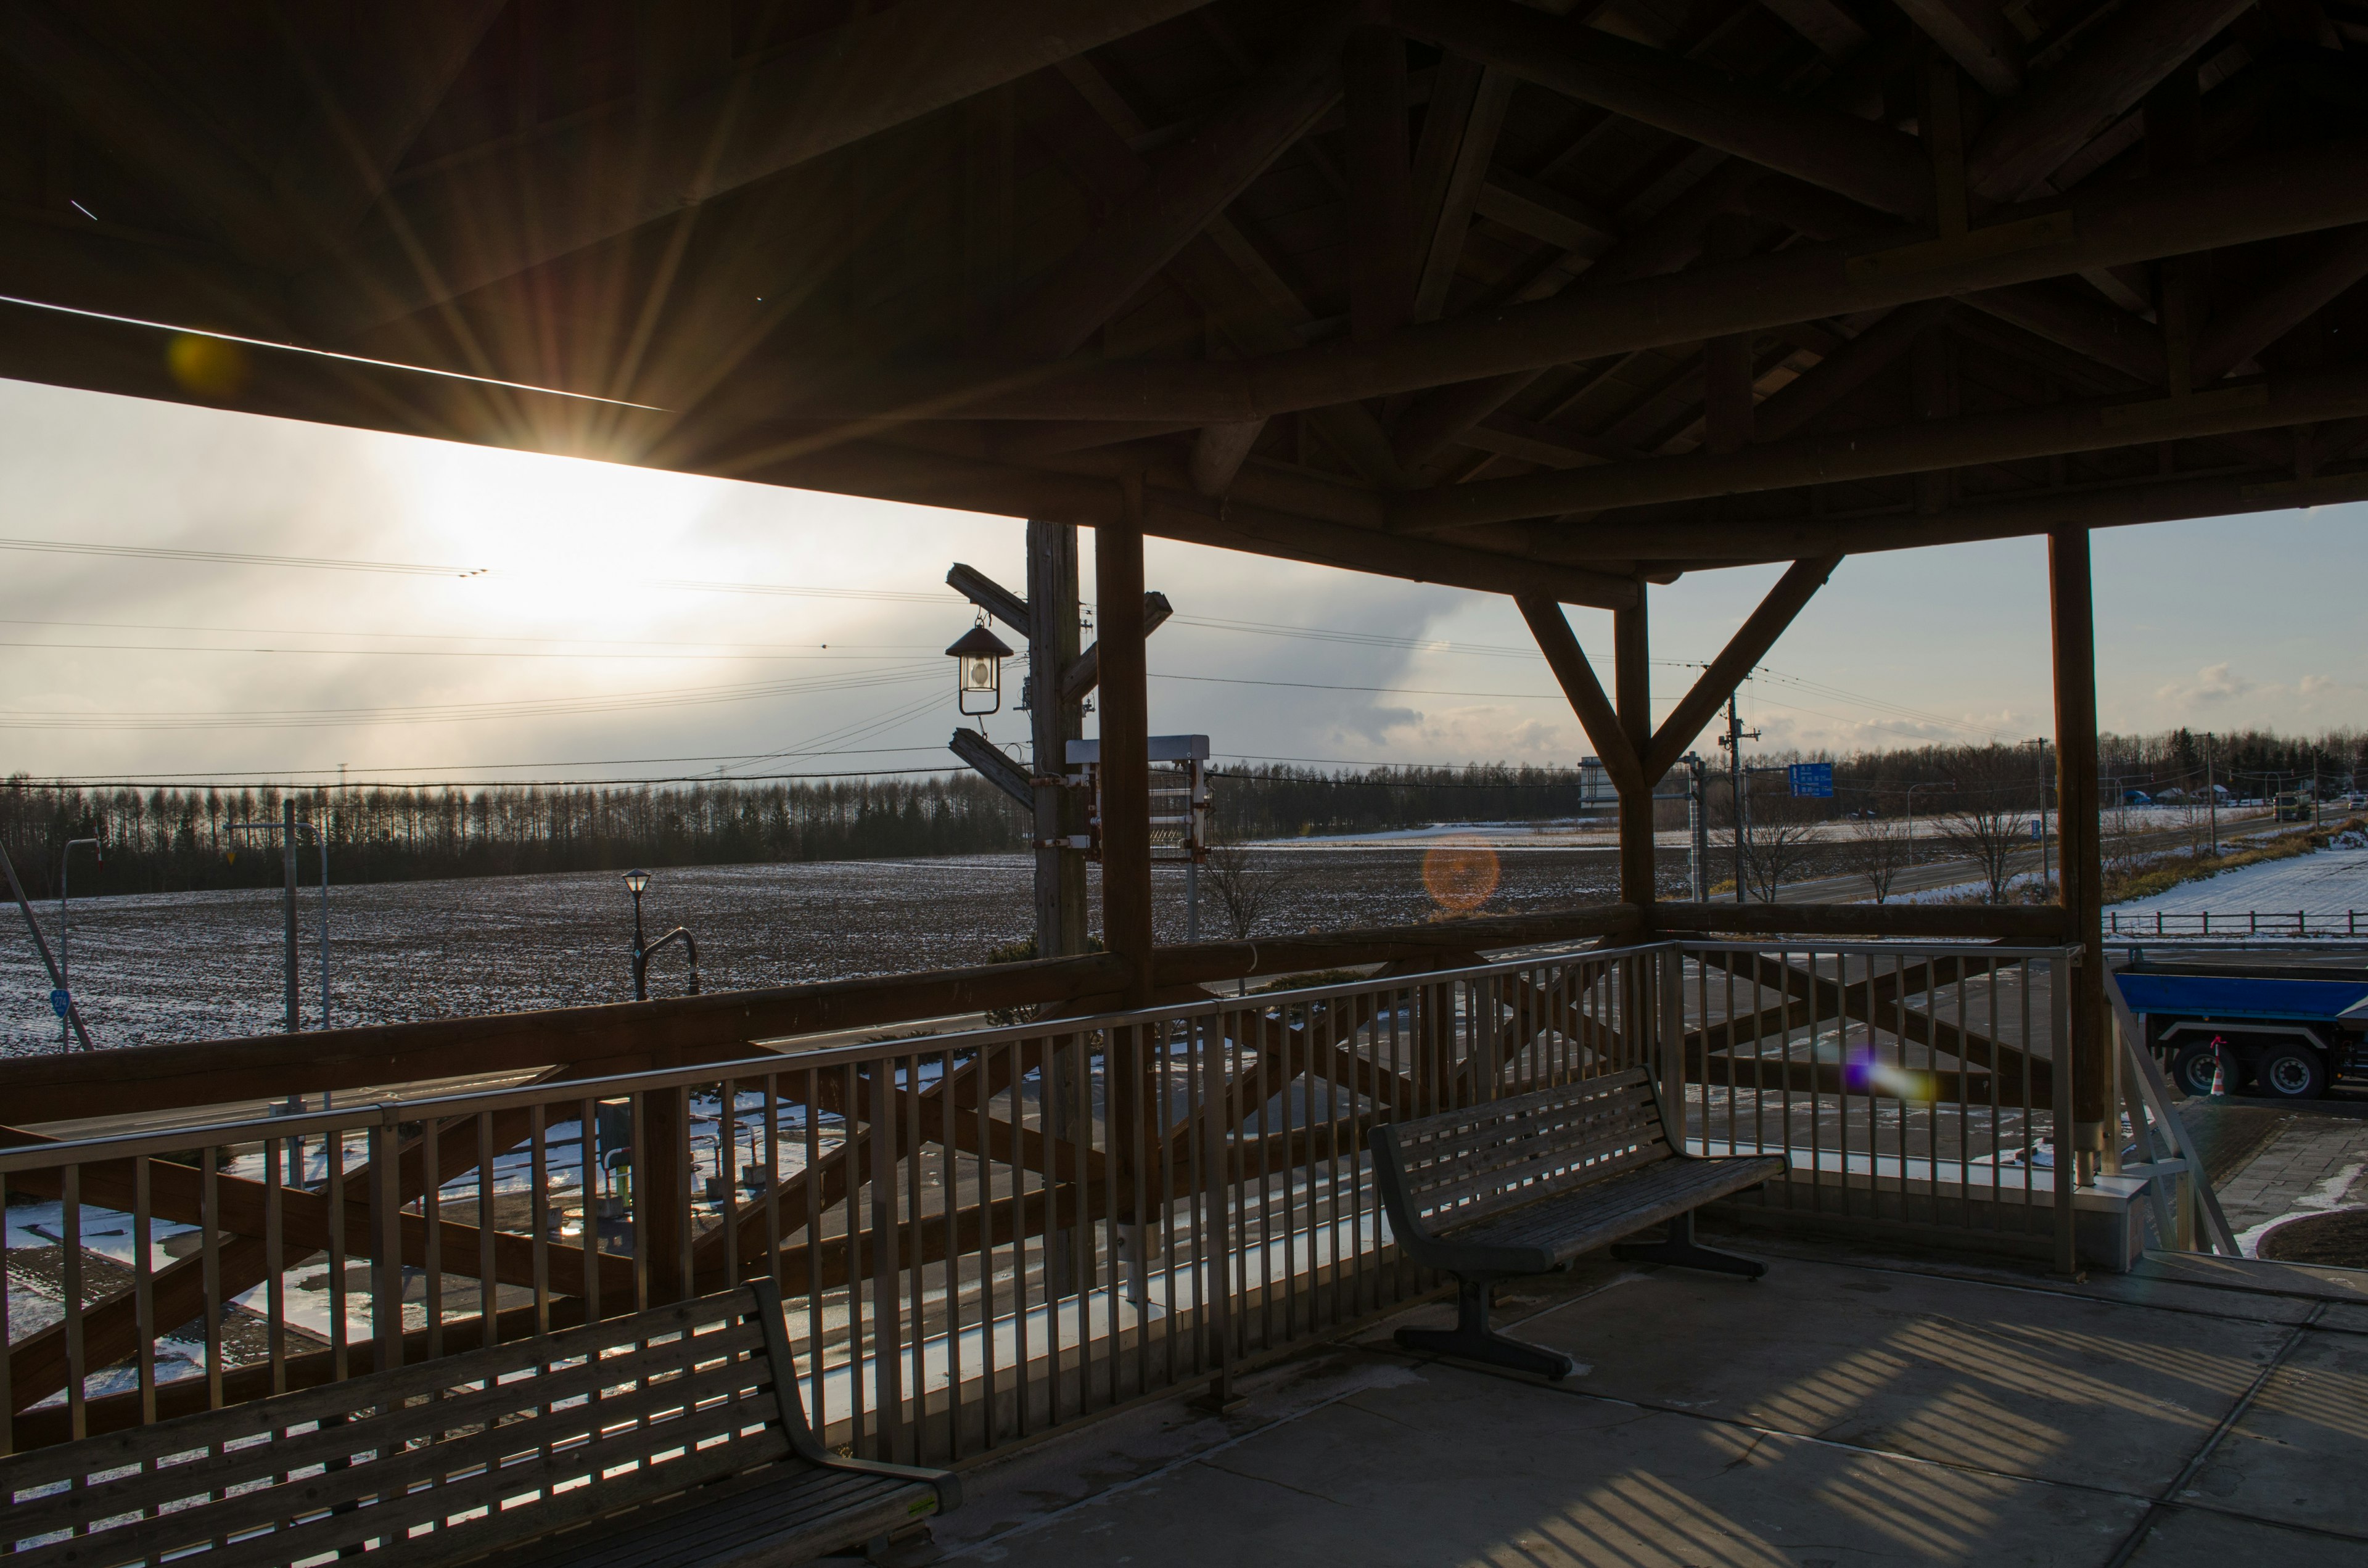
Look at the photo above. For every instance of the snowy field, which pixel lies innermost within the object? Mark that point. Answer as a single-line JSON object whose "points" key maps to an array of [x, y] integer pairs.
{"points": [[195, 966], [2324, 886]]}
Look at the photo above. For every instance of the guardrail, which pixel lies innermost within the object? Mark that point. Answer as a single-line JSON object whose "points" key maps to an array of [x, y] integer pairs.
{"points": [[988, 1234], [2250, 923]]}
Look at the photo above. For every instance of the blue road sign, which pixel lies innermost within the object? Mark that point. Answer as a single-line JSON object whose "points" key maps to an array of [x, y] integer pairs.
{"points": [[59, 1001], [1812, 780]]}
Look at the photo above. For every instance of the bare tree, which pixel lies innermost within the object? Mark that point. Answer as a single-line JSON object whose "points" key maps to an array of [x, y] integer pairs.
{"points": [[1245, 891], [1987, 831], [1880, 850], [1777, 840]]}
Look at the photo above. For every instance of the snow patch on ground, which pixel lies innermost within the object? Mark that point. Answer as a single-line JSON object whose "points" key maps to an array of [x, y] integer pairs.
{"points": [[2324, 886]]}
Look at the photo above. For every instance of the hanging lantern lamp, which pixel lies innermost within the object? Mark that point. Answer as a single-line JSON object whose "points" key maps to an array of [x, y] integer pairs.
{"points": [[978, 656]]}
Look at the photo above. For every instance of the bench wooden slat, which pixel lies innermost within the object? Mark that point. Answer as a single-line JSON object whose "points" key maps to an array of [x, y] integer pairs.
{"points": [[531, 1479], [1449, 1180], [1449, 1131], [370, 1482], [1641, 1197], [1429, 1162], [1442, 1218], [138, 1445], [255, 1460], [662, 1415]]}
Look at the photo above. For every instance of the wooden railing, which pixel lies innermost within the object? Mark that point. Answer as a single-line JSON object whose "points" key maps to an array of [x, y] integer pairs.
{"points": [[988, 1231]]}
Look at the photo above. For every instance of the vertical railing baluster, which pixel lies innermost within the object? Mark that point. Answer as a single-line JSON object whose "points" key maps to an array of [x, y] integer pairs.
{"points": [[488, 1293], [431, 1222], [144, 1283], [210, 1249], [70, 1282]]}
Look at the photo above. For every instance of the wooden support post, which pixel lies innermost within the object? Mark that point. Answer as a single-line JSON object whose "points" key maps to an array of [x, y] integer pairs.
{"points": [[662, 1193], [1055, 720], [1126, 820], [2072, 620], [1631, 684], [1125, 745]]}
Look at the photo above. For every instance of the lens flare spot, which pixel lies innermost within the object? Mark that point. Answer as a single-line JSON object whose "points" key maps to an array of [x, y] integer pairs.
{"points": [[207, 365], [1865, 1072], [1459, 877]]}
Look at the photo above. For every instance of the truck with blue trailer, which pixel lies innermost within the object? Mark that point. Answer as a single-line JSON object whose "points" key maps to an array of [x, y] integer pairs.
{"points": [[2281, 1032]]}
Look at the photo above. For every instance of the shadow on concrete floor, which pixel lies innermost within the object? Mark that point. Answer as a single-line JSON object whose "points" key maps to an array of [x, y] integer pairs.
{"points": [[1850, 1410]]}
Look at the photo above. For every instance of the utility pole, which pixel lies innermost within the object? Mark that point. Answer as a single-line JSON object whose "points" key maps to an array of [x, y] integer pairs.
{"points": [[1698, 824], [2211, 794], [288, 869], [2046, 878], [1733, 741]]}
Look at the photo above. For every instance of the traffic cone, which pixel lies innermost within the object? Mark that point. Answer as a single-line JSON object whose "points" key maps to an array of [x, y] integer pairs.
{"points": [[2219, 1073]]}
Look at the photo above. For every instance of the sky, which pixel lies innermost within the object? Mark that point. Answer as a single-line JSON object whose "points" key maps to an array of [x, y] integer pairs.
{"points": [[556, 618]]}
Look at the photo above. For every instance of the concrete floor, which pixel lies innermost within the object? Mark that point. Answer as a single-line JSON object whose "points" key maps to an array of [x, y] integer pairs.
{"points": [[1849, 1410]]}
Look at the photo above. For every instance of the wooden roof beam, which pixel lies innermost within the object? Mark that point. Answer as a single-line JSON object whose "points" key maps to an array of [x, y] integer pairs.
{"points": [[2204, 208], [2267, 311], [1188, 188], [118, 108], [2118, 64], [1688, 541], [1975, 34], [1867, 162], [1842, 372], [604, 175], [376, 74], [1916, 446]]}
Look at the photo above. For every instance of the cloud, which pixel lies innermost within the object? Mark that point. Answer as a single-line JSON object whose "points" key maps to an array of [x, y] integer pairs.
{"points": [[2213, 684]]}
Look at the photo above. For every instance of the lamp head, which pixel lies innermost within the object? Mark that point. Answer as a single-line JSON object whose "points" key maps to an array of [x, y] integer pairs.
{"points": [[978, 656], [635, 881]]}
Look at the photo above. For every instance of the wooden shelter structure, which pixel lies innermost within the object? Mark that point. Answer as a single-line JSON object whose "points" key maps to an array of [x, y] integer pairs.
{"points": [[1557, 300]]}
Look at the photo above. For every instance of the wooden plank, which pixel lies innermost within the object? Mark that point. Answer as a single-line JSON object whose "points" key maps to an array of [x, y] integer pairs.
{"points": [[627, 1036]]}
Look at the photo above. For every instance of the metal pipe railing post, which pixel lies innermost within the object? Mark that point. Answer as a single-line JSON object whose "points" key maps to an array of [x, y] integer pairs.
{"points": [[41, 945], [2059, 1084]]}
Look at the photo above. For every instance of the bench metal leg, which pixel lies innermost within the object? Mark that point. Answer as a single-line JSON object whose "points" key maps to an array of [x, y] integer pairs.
{"points": [[1680, 1249], [1472, 1340]]}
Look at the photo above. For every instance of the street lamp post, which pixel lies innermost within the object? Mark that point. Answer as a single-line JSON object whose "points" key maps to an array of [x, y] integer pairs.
{"points": [[1927, 784], [65, 931], [635, 881]]}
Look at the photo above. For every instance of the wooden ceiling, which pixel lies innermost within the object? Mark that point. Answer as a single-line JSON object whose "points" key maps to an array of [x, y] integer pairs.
{"points": [[1532, 298]]}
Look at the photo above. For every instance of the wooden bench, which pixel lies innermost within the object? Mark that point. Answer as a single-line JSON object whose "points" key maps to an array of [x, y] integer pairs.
{"points": [[675, 1437], [1523, 1186]]}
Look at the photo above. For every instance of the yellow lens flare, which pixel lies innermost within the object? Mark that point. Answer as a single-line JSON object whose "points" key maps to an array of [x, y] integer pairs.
{"points": [[1460, 878], [210, 366]]}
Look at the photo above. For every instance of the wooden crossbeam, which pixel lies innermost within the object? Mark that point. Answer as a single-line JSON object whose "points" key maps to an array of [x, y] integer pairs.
{"points": [[1917, 446], [605, 173], [1860, 1000], [2209, 207], [1870, 162], [178, 1292], [2110, 70], [1188, 188], [1745, 649], [1577, 677]]}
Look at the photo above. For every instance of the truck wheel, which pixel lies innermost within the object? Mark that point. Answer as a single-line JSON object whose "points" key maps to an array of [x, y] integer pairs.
{"points": [[2291, 1073], [2192, 1069]]}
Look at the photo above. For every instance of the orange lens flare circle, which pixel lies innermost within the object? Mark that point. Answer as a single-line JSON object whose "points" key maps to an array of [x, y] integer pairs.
{"points": [[1459, 877]]}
